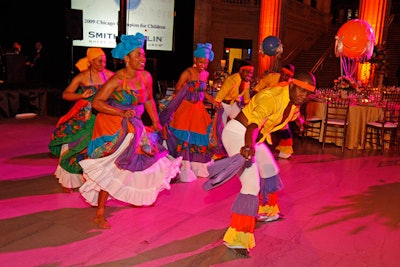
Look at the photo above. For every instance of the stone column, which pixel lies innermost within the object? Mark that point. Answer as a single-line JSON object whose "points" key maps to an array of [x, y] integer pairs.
{"points": [[376, 13], [270, 17]]}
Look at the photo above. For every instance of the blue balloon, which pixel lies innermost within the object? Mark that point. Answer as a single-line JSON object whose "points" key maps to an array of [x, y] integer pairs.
{"points": [[271, 45]]}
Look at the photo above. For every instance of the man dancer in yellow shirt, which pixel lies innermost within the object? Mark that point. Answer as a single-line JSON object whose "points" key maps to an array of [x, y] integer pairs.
{"points": [[285, 146]]}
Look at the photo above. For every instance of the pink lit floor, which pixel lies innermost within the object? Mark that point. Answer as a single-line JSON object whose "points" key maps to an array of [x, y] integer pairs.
{"points": [[340, 210]]}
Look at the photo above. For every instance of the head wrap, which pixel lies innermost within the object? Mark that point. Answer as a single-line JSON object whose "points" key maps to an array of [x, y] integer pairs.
{"points": [[246, 65], [128, 43], [204, 51], [289, 69], [304, 85], [91, 53]]}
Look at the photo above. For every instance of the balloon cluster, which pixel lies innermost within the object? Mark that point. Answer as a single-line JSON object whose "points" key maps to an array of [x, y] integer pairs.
{"points": [[355, 40], [271, 46]]}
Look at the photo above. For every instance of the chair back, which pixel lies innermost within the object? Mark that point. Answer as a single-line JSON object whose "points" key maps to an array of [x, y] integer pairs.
{"points": [[337, 111], [384, 132], [312, 124], [391, 113], [391, 96], [162, 88], [397, 138], [336, 117], [165, 88]]}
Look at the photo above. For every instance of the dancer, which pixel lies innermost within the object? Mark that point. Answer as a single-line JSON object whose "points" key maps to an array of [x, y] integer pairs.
{"points": [[275, 78], [73, 131], [235, 91], [186, 120], [126, 162], [268, 111], [285, 136]]}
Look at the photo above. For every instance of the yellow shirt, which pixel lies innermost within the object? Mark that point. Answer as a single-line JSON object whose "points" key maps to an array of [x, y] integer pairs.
{"points": [[268, 80], [266, 110], [230, 90]]}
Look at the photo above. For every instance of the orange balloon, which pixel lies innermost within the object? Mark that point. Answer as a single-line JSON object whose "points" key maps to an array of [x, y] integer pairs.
{"points": [[355, 37]]}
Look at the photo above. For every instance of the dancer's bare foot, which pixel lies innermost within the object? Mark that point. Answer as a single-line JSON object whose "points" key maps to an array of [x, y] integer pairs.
{"points": [[101, 222], [67, 190]]}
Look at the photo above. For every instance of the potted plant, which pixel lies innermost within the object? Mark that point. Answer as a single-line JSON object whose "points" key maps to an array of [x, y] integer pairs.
{"points": [[379, 60]]}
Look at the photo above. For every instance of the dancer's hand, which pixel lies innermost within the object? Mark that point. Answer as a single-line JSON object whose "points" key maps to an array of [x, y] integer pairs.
{"points": [[247, 152]]}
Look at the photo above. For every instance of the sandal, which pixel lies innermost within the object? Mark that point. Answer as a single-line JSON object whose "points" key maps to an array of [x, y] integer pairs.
{"points": [[266, 218], [241, 252]]}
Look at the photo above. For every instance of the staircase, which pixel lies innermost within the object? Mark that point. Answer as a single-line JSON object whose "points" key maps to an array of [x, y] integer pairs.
{"points": [[392, 46], [330, 68]]}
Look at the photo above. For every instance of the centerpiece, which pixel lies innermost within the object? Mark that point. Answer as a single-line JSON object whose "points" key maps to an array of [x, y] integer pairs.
{"points": [[347, 85], [219, 77]]}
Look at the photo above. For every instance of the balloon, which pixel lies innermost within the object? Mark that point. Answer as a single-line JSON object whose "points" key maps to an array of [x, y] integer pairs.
{"points": [[355, 39], [271, 46]]}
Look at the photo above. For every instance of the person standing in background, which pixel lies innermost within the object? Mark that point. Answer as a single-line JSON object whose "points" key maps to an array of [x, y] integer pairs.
{"points": [[73, 131], [36, 64], [126, 162], [16, 48]]}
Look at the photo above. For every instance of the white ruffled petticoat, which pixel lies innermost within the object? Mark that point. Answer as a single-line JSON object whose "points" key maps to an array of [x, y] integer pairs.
{"points": [[65, 178], [139, 188]]}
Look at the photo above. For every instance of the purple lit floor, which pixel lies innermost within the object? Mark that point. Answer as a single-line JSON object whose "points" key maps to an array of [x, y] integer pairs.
{"points": [[340, 210]]}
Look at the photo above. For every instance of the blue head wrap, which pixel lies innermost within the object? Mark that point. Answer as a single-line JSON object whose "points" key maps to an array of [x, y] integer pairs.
{"points": [[128, 43], [204, 51]]}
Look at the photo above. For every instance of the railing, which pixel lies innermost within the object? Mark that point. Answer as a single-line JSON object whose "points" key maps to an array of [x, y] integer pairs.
{"points": [[242, 2], [390, 20], [322, 58], [299, 46]]}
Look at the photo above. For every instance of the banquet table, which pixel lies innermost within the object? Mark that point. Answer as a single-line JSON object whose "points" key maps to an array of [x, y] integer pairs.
{"points": [[359, 115]]}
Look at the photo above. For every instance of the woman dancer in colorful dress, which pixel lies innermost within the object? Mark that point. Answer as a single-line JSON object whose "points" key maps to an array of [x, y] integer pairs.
{"points": [[186, 120], [74, 130], [126, 162]]}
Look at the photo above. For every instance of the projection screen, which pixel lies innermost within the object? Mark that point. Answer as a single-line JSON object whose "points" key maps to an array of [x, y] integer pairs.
{"points": [[152, 18]]}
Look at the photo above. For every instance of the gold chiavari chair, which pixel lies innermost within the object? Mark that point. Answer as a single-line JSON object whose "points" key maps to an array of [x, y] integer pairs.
{"points": [[382, 133], [336, 120], [312, 124], [391, 96]]}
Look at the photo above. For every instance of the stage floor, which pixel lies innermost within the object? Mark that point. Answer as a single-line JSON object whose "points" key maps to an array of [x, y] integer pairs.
{"points": [[339, 210]]}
